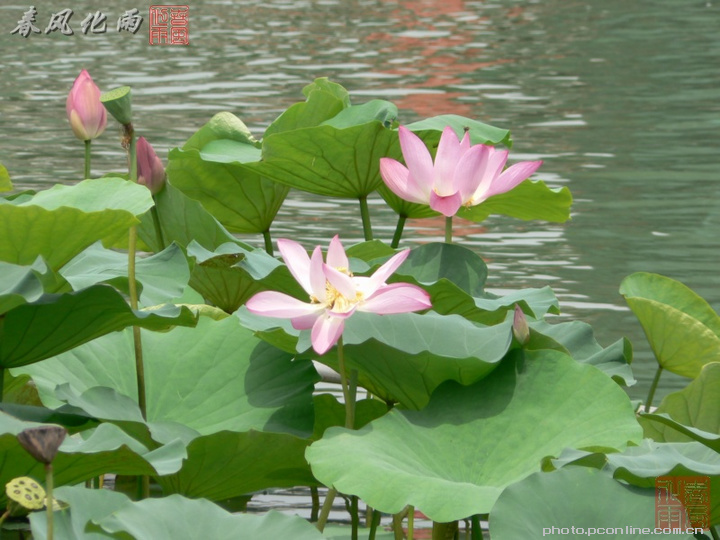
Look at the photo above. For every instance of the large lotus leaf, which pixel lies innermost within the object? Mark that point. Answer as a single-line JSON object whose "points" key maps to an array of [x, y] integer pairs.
{"points": [[231, 274], [430, 130], [325, 160], [182, 220], [5, 183], [224, 125], [324, 100], [529, 200], [452, 459], [214, 377], [242, 200], [401, 357], [550, 505], [376, 109], [641, 465], [19, 284], [162, 276], [105, 449], [225, 464], [577, 339], [682, 328], [56, 323], [62, 221], [697, 405], [95, 514]]}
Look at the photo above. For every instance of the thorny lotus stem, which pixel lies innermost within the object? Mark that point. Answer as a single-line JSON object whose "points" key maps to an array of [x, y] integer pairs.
{"points": [[88, 143], [374, 524], [354, 517], [444, 531], [448, 230], [268, 243], [156, 223], [325, 512], [132, 286], [653, 387], [349, 398], [365, 214], [411, 522], [398, 231], [50, 501], [476, 533]]}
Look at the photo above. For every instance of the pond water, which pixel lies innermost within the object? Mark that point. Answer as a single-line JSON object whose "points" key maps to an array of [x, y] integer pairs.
{"points": [[620, 99]]}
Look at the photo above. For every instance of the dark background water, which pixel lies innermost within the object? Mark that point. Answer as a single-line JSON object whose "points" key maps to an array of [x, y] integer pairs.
{"points": [[620, 99]]}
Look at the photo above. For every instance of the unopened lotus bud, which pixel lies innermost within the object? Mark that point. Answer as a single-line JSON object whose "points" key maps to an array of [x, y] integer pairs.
{"points": [[86, 114], [521, 331], [150, 170], [42, 442]]}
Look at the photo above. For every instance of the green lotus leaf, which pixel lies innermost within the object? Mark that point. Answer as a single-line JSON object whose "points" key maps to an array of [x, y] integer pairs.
{"points": [[95, 514], [711, 440], [178, 517], [453, 458], [231, 274], [5, 183], [697, 405], [325, 160], [576, 338], [85, 455], [222, 391], [529, 200], [430, 130], [376, 109], [682, 329], [183, 220], [401, 357], [223, 125], [162, 276], [239, 198], [226, 464], [60, 222], [57, 323], [324, 99], [574, 497], [20, 284]]}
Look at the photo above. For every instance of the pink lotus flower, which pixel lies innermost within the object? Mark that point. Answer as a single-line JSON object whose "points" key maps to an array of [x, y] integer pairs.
{"points": [[150, 170], [461, 175], [87, 115], [335, 294]]}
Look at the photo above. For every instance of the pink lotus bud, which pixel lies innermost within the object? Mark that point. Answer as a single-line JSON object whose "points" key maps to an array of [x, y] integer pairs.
{"points": [[521, 331], [151, 172], [87, 115]]}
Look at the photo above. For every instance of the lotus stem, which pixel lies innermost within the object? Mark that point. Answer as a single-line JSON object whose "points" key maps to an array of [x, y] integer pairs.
{"points": [[325, 512], [444, 531], [476, 533], [365, 214], [411, 522], [156, 223], [50, 501], [398, 231], [448, 230], [315, 497], [653, 387], [88, 143], [268, 243], [714, 533], [354, 517], [5, 514], [397, 520], [374, 524], [2, 382]]}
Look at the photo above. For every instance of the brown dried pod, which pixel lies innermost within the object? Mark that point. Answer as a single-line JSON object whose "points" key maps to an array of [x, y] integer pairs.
{"points": [[42, 442]]}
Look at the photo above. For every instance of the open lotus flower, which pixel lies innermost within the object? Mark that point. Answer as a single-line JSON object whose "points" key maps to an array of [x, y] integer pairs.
{"points": [[87, 115], [151, 172], [461, 175], [335, 294]]}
